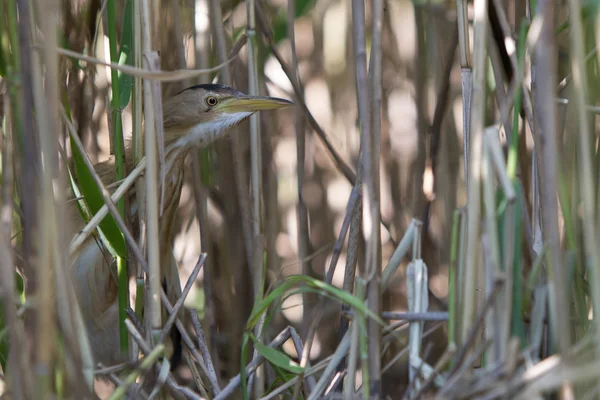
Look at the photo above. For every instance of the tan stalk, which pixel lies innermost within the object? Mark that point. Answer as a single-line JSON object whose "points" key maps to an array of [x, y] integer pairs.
{"points": [[50, 245], [586, 182], [152, 209], [258, 271], [476, 133]]}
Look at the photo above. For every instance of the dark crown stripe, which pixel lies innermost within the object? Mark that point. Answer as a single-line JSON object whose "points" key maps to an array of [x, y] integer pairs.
{"points": [[213, 87]]}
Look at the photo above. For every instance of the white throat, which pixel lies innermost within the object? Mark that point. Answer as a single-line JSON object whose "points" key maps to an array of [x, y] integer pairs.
{"points": [[205, 133]]}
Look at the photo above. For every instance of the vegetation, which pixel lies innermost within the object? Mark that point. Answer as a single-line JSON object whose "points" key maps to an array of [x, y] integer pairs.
{"points": [[423, 223]]}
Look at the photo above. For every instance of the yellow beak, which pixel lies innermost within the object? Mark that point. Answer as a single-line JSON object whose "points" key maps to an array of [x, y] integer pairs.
{"points": [[254, 104]]}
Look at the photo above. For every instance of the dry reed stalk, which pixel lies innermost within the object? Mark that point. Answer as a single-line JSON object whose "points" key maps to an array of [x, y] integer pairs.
{"points": [[471, 272], [371, 147], [151, 175], [328, 373], [355, 248], [310, 315], [304, 244], [202, 55], [49, 235], [28, 190], [257, 265], [255, 154], [585, 178], [160, 76], [138, 154], [355, 239], [546, 144], [466, 79], [17, 380], [234, 186]]}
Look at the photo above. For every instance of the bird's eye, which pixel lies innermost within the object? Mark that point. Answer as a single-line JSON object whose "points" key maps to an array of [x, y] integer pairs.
{"points": [[211, 101]]}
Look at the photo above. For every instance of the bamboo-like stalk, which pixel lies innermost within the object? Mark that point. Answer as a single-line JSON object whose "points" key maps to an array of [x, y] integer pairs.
{"points": [[152, 209], [204, 350], [138, 153], [466, 78], [159, 76], [364, 118], [586, 182], [350, 384], [338, 356], [301, 210], [546, 147], [504, 308], [399, 253], [17, 379], [50, 237], [136, 100], [23, 127], [355, 243], [220, 45], [421, 82], [460, 277], [452, 281], [371, 147], [492, 268], [255, 152], [258, 272], [476, 133], [201, 176], [355, 249], [236, 170]]}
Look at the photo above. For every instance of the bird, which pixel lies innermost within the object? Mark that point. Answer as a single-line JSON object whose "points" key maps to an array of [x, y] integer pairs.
{"points": [[195, 117]]}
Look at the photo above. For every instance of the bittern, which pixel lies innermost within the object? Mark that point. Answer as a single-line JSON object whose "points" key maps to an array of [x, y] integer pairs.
{"points": [[195, 117]]}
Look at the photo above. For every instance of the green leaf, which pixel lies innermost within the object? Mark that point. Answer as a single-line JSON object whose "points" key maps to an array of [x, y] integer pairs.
{"points": [[314, 285], [126, 56], [517, 327], [282, 377], [94, 200], [244, 361], [3, 58], [277, 357], [4, 343]]}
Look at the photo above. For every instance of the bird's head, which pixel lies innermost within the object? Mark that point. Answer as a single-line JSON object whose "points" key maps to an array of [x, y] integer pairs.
{"points": [[202, 114]]}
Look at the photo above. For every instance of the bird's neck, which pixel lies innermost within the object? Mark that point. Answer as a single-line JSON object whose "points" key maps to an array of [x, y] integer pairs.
{"points": [[172, 151], [203, 133]]}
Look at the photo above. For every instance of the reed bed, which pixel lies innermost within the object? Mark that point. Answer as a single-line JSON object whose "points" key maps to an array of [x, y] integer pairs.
{"points": [[422, 224]]}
